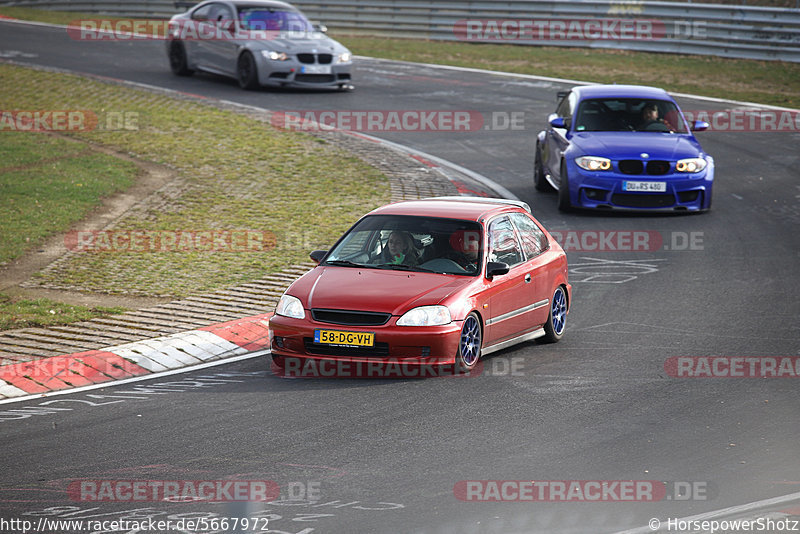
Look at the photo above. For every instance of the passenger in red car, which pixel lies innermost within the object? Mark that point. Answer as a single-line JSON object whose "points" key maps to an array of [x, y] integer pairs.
{"points": [[400, 249]]}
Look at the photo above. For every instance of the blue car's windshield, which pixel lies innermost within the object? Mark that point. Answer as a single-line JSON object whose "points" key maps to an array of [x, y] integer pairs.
{"points": [[628, 115], [269, 19]]}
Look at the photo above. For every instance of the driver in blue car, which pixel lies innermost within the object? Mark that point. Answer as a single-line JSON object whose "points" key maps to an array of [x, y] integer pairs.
{"points": [[649, 117]]}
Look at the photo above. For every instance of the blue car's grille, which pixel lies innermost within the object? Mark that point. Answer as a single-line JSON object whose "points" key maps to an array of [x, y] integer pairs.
{"points": [[657, 167], [631, 166], [643, 200], [635, 166]]}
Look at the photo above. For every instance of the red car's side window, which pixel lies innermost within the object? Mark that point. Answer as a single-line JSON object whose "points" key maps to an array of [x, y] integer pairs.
{"points": [[503, 244], [534, 242]]}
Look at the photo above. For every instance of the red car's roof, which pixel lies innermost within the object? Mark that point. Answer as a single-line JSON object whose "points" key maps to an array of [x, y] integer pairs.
{"points": [[467, 208]]}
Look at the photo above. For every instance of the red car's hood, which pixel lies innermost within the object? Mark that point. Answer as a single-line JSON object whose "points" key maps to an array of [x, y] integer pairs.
{"points": [[375, 290]]}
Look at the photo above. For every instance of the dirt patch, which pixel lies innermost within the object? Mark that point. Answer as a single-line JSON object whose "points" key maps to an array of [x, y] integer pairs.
{"points": [[151, 177]]}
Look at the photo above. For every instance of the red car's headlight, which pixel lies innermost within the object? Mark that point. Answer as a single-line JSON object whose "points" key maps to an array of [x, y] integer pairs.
{"points": [[290, 306], [426, 316]]}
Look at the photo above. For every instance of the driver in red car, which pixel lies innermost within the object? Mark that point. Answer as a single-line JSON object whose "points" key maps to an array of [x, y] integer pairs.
{"points": [[465, 250]]}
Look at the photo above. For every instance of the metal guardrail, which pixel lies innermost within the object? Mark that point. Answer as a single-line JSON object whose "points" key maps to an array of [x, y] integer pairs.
{"points": [[736, 31]]}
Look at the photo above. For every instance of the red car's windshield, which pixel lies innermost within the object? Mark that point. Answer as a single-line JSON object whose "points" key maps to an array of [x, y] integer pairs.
{"points": [[411, 243]]}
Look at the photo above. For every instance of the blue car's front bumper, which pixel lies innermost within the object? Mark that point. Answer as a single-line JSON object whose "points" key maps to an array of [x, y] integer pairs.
{"points": [[605, 190]]}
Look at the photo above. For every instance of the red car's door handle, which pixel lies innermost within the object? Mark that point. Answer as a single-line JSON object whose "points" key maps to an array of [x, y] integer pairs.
{"points": [[528, 278]]}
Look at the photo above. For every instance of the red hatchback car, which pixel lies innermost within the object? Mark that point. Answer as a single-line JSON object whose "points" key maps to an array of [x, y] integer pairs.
{"points": [[434, 282]]}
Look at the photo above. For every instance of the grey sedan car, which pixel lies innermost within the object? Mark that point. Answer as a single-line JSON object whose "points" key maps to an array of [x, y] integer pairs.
{"points": [[258, 42]]}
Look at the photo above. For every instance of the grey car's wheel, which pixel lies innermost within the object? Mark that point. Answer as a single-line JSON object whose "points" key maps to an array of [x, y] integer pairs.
{"points": [[539, 181], [177, 59], [564, 203], [247, 72], [557, 319], [469, 345]]}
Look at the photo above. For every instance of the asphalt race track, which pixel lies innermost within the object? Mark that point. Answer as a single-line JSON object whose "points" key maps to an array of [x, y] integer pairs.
{"points": [[385, 456]]}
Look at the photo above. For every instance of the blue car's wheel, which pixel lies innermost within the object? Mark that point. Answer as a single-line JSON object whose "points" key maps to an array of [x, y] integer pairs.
{"points": [[539, 181], [247, 72], [564, 203], [557, 319], [469, 345]]}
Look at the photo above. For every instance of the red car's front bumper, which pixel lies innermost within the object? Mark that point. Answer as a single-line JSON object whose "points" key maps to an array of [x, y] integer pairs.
{"points": [[406, 345]]}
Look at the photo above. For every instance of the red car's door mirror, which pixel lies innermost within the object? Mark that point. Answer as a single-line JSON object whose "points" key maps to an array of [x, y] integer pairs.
{"points": [[495, 268], [317, 255]]}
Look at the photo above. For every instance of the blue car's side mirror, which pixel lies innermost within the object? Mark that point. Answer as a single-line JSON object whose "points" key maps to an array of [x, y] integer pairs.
{"points": [[699, 126], [558, 122]]}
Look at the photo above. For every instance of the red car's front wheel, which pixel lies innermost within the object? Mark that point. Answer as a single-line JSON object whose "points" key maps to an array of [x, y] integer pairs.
{"points": [[469, 344]]}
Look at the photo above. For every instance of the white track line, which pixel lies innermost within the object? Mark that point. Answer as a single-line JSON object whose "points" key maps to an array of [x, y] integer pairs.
{"points": [[138, 378]]}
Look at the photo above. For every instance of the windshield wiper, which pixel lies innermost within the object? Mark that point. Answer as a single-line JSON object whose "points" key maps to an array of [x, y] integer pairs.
{"points": [[346, 263], [403, 267]]}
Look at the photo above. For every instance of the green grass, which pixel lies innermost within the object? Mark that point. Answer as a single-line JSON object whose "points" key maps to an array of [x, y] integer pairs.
{"points": [[51, 17], [47, 184], [233, 172], [19, 313]]}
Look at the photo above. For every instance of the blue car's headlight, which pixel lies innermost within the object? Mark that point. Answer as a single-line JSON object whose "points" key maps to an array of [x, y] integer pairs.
{"points": [[426, 316], [593, 163], [290, 306], [691, 165], [274, 56]]}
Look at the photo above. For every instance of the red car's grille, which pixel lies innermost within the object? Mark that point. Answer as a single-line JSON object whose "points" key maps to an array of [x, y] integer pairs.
{"points": [[380, 350], [350, 317]]}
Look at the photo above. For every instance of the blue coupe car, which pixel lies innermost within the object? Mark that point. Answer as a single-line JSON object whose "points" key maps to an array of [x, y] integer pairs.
{"points": [[623, 147]]}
